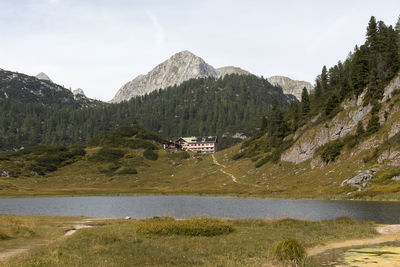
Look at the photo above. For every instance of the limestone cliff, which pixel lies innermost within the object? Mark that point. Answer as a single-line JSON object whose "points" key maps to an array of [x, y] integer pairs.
{"points": [[231, 70], [177, 69], [290, 86], [308, 139]]}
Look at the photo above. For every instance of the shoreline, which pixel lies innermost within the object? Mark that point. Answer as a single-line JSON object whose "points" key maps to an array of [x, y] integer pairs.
{"points": [[197, 194]]}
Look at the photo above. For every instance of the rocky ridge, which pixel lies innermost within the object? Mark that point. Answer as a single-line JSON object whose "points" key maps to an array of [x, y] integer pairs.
{"points": [[308, 140], [43, 76], [290, 86], [184, 66], [177, 69], [23, 88]]}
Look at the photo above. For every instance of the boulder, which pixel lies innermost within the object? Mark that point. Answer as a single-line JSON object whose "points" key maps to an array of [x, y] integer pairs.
{"points": [[360, 180]]}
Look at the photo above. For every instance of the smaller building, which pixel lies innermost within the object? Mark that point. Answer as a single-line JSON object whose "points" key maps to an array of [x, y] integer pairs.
{"points": [[198, 144]]}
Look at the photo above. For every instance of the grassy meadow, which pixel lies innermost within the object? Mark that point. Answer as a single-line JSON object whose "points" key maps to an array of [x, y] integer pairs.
{"points": [[193, 242]]}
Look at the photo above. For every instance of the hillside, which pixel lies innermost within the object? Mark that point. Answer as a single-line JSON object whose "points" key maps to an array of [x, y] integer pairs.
{"points": [[22, 88], [290, 86], [230, 107], [179, 68]]}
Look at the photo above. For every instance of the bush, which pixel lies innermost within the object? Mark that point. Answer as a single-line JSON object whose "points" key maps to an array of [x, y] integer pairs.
{"points": [[179, 155], [373, 124], [288, 250], [150, 154], [107, 154], [4, 236], [199, 226], [330, 151], [238, 155], [263, 161], [127, 170]]}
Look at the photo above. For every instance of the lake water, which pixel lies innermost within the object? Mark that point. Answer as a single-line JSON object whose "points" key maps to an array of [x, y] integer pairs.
{"points": [[189, 206]]}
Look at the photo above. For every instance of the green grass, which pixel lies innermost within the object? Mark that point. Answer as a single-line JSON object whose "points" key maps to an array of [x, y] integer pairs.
{"points": [[190, 227], [119, 243]]}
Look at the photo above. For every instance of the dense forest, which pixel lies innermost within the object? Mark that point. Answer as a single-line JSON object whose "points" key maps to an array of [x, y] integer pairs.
{"points": [[368, 69], [223, 107]]}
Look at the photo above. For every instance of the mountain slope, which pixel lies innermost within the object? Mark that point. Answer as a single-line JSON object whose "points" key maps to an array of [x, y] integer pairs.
{"points": [[43, 76], [221, 72], [290, 86], [22, 88], [177, 69]]}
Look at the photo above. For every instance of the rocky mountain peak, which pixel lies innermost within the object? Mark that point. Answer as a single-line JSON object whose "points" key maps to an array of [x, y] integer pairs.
{"points": [[43, 76], [290, 86], [78, 91], [231, 70], [180, 67]]}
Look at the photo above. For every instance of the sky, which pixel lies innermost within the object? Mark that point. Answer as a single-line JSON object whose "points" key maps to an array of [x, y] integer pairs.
{"points": [[100, 45]]}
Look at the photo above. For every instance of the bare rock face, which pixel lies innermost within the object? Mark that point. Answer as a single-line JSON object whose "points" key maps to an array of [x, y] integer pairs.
{"points": [[307, 143], [78, 91], [43, 76], [290, 86], [177, 69], [393, 86], [231, 70]]}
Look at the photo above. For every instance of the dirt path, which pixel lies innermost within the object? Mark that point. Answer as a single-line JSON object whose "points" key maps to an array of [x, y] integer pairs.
{"points": [[389, 233], [76, 226], [234, 179], [224, 167]]}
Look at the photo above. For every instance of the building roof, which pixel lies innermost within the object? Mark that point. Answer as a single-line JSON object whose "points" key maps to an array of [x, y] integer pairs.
{"points": [[195, 140]]}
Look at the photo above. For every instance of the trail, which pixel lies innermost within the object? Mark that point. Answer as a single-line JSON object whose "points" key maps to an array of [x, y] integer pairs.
{"points": [[76, 226], [223, 171], [389, 233]]}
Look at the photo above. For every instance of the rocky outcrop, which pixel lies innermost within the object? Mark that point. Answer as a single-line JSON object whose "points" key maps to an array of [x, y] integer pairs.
{"points": [[308, 142], [78, 91], [231, 70], [289, 86], [393, 86], [177, 69], [361, 179], [43, 76]]}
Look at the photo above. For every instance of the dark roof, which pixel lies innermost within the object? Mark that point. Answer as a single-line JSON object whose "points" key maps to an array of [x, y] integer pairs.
{"points": [[193, 139]]}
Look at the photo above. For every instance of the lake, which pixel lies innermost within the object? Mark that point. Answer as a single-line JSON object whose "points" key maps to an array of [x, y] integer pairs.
{"points": [[189, 206]]}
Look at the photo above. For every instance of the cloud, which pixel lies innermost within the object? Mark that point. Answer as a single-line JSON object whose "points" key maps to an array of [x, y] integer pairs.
{"points": [[159, 34]]}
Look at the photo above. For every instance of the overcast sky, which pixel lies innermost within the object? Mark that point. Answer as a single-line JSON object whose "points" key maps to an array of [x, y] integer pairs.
{"points": [[100, 45]]}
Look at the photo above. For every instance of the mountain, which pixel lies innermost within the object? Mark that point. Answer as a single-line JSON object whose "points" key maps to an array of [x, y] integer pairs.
{"points": [[180, 67], [22, 88], [231, 70], [78, 91], [290, 86], [343, 140], [177, 69], [43, 76]]}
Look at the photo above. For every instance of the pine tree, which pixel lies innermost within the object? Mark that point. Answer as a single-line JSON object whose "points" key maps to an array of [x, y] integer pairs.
{"points": [[397, 27], [324, 79], [372, 31], [305, 103]]}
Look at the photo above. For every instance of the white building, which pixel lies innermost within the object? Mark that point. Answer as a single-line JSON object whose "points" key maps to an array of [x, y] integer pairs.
{"points": [[198, 144]]}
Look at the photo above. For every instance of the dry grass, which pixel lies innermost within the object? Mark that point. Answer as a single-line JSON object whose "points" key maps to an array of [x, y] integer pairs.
{"points": [[117, 243]]}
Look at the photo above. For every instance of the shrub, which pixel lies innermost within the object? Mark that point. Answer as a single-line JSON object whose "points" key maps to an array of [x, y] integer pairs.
{"points": [[4, 236], [199, 226], [107, 154], [150, 154], [373, 124], [127, 170], [288, 250], [109, 170], [179, 155], [263, 161], [238, 155], [330, 151]]}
